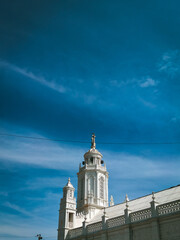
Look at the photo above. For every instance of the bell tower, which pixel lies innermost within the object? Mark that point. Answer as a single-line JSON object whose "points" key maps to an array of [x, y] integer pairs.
{"points": [[92, 182]]}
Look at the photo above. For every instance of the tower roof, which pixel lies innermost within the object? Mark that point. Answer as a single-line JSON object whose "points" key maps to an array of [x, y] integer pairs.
{"points": [[69, 185]]}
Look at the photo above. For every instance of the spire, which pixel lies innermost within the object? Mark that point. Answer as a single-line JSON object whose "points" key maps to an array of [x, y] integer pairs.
{"points": [[93, 144]]}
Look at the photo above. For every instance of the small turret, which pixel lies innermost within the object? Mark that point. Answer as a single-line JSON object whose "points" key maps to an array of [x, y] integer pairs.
{"points": [[67, 210]]}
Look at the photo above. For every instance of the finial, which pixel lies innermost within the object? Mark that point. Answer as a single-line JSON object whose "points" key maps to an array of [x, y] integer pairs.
{"points": [[69, 180], [153, 197], [93, 144], [126, 200], [111, 201]]}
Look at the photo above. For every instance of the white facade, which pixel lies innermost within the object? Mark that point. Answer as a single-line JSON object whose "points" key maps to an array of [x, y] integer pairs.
{"points": [[152, 217]]}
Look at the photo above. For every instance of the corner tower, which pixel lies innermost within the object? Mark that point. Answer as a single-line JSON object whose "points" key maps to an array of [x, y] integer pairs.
{"points": [[92, 182]]}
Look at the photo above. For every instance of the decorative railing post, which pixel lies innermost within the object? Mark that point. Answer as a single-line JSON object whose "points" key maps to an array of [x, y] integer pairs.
{"points": [[168, 208], [104, 219], [153, 206], [126, 212]]}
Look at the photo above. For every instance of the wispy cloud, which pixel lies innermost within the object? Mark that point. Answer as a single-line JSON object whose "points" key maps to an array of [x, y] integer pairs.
{"points": [[18, 209], [4, 194], [53, 156], [146, 103], [121, 83], [175, 119], [170, 63], [38, 78], [148, 82], [47, 154], [45, 182], [142, 82], [141, 167]]}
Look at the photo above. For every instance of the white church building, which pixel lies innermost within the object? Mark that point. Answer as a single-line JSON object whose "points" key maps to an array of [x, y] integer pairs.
{"points": [[152, 217]]}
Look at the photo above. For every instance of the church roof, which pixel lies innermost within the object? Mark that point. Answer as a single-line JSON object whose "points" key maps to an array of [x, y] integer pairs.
{"points": [[164, 196]]}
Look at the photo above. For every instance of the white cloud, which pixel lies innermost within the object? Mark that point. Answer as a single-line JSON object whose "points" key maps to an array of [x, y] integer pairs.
{"points": [[170, 63], [55, 155], [144, 83], [40, 79], [148, 82], [45, 182], [146, 103], [127, 166], [48, 154]]}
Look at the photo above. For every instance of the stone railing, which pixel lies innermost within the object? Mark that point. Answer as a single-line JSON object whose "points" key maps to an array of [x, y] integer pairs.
{"points": [[133, 217], [114, 222], [140, 215], [168, 208], [91, 228], [75, 232]]}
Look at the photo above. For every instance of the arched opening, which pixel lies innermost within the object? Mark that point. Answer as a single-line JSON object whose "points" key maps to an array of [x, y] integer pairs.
{"points": [[91, 160]]}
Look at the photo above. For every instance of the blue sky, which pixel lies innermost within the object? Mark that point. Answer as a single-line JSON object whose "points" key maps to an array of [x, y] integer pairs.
{"points": [[69, 68]]}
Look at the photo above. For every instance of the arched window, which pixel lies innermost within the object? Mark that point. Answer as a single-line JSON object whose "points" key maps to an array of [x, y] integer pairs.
{"points": [[101, 187]]}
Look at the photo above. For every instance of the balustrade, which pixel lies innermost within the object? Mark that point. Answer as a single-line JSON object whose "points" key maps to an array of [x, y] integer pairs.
{"points": [[141, 215], [94, 227], [168, 208], [114, 222]]}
